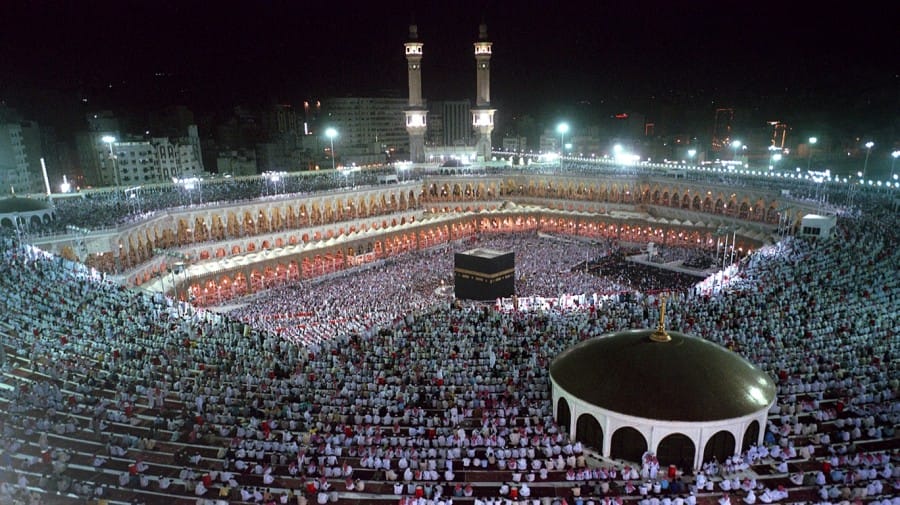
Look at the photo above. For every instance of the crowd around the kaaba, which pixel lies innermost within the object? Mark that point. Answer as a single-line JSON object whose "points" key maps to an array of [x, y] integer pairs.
{"points": [[376, 383]]}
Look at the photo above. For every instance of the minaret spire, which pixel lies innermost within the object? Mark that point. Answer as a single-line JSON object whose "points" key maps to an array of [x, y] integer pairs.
{"points": [[482, 113], [415, 112], [660, 335]]}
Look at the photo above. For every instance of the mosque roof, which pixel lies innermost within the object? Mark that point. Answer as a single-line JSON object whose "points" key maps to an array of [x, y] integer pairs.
{"points": [[13, 204], [684, 379]]}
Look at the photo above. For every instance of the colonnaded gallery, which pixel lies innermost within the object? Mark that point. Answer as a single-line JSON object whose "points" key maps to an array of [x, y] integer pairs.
{"points": [[218, 251]]}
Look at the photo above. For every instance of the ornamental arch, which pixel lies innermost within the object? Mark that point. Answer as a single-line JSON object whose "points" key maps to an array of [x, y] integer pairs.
{"points": [[627, 443], [719, 447], [589, 432], [204, 227], [751, 436], [676, 449], [563, 414]]}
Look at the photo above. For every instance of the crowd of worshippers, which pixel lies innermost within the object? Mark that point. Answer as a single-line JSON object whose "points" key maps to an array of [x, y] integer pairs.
{"points": [[638, 276], [415, 392], [314, 310]]}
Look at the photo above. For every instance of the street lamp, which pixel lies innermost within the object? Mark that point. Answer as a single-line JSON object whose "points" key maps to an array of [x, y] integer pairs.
{"points": [[735, 145], [110, 140], [275, 178], [175, 268], [812, 142], [331, 133], [775, 159], [562, 129], [186, 183], [894, 155], [869, 146]]}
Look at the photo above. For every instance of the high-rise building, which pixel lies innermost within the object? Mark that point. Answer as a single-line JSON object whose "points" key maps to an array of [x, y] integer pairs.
{"points": [[159, 159], [779, 134], [27, 178], [366, 126], [34, 153], [723, 129], [515, 144], [449, 123], [312, 109], [434, 137], [175, 157], [102, 121], [241, 130], [124, 162], [237, 163], [13, 160], [171, 121], [280, 119], [457, 130], [133, 163]]}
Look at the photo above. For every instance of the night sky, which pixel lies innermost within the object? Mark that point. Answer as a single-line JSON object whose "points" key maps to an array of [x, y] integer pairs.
{"points": [[795, 61]]}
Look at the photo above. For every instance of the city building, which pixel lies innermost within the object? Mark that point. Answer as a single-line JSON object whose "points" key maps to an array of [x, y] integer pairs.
{"points": [[237, 163], [279, 119], [286, 142], [549, 142], [136, 160], [723, 130], [241, 129], [367, 127], [132, 163], [312, 110], [13, 160], [102, 121], [176, 158], [171, 121], [456, 128], [285, 152], [434, 136], [515, 144], [29, 134], [32, 140], [779, 134]]}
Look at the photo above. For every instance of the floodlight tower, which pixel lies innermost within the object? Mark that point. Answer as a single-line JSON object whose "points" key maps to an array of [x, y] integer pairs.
{"points": [[482, 113], [416, 113]]}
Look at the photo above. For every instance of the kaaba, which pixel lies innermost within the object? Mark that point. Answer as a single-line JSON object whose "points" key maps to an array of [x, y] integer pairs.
{"points": [[484, 274]]}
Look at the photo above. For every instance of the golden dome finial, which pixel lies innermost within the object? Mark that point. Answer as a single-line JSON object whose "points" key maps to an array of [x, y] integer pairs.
{"points": [[660, 334]]}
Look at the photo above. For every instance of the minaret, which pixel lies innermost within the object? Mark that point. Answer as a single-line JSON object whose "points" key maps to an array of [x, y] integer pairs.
{"points": [[482, 113], [415, 110]]}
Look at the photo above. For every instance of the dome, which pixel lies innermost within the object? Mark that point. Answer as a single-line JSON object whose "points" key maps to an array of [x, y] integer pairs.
{"points": [[685, 379], [16, 204]]}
